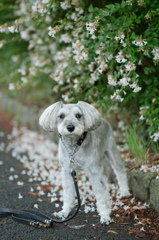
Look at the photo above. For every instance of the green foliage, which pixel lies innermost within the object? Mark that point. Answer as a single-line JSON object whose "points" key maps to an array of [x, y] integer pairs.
{"points": [[136, 146], [86, 50]]}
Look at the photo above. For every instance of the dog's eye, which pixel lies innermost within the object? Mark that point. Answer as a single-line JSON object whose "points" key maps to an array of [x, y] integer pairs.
{"points": [[78, 115], [62, 116]]}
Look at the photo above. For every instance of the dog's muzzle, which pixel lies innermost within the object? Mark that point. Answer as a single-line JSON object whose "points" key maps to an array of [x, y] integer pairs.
{"points": [[70, 128]]}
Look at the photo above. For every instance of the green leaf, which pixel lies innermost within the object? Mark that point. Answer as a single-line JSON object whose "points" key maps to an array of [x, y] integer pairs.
{"points": [[138, 21], [133, 35], [90, 16], [90, 9], [110, 6], [123, 4]]}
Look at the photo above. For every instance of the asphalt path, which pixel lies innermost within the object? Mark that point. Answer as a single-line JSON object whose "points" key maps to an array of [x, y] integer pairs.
{"points": [[82, 227]]}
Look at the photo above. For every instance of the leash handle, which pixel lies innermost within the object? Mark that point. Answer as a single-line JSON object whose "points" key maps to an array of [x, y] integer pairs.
{"points": [[38, 219]]}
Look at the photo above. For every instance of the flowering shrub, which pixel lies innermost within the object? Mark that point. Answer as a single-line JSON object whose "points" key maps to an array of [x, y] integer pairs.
{"points": [[102, 53]]}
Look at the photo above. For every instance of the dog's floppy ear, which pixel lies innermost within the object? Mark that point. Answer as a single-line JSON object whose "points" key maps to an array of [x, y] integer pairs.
{"points": [[92, 118], [49, 117]]}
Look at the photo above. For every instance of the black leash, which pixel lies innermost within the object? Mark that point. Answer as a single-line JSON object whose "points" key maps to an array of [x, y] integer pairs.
{"points": [[37, 219]]}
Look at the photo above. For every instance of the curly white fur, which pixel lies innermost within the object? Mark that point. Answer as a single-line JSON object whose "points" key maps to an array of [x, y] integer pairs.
{"points": [[97, 151]]}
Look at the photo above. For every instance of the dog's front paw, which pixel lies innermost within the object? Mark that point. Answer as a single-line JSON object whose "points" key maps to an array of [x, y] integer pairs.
{"points": [[62, 214], [105, 219]]}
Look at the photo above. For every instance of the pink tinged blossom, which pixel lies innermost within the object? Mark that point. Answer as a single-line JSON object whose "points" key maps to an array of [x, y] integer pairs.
{"points": [[111, 80], [130, 67], [91, 28], [137, 89], [117, 96], [120, 57], [139, 42]]}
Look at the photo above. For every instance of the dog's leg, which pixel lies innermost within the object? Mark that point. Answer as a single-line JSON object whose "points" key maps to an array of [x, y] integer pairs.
{"points": [[118, 167], [100, 189], [68, 194]]}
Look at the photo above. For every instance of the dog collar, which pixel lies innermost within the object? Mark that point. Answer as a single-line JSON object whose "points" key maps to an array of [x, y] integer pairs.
{"points": [[80, 141]]}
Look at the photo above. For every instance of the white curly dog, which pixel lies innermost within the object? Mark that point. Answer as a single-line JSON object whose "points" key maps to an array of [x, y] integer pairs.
{"points": [[86, 143]]}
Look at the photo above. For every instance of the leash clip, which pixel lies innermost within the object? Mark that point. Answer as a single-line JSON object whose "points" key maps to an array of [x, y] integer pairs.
{"points": [[40, 225]]}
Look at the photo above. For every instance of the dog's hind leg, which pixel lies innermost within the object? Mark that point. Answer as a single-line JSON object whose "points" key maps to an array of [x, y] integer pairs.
{"points": [[118, 167]]}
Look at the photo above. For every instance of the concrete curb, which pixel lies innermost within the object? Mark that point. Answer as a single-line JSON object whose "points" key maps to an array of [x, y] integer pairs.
{"points": [[143, 185]]}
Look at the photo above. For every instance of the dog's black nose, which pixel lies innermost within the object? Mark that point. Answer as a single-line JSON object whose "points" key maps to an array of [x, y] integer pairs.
{"points": [[70, 128]]}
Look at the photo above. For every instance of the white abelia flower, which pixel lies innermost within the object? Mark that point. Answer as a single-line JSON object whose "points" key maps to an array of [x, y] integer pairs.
{"points": [[79, 51], [124, 81], [51, 32], [91, 28], [130, 67], [94, 77], [135, 86], [12, 29], [137, 89], [117, 96], [155, 52], [65, 5], [11, 86], [91, 66], [102, 66], [22, 71], [120, 57], [155, 137], [65, 38], [141, 117], [111, 80], [139, 42], [120, 37]]}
